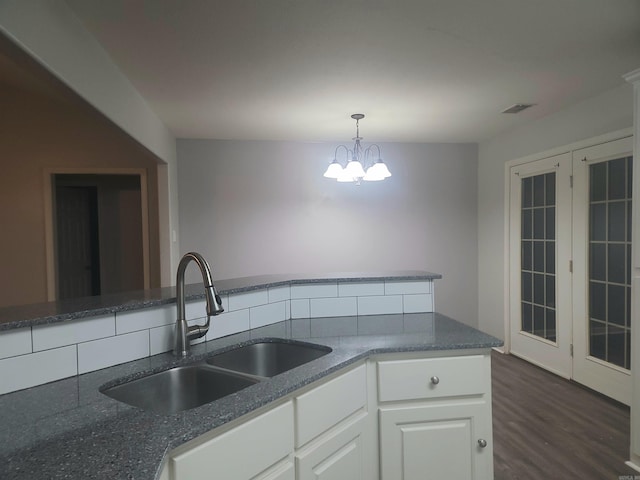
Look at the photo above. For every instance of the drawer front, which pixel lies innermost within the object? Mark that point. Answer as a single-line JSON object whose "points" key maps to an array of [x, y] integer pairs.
{"points": [[433, 378], [242, 452], [325, 406]]}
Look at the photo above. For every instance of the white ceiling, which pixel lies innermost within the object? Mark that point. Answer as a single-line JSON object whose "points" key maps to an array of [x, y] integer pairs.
{"points": [[421, 70]]}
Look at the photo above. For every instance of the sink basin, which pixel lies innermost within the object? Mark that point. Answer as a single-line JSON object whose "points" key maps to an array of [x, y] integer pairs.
{"points": [[267, 359], [179, 388]]}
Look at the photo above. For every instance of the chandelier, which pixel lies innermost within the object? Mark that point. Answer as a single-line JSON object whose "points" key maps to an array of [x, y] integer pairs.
{"points": [[356, 161]]}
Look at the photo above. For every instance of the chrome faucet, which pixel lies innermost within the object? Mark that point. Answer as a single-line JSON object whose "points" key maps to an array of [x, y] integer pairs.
{"points": [[185, 333]]}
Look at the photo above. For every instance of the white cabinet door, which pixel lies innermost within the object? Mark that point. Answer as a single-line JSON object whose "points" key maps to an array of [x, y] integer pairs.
{"points": [[436, 441], [340, 455], [240, 453], [328, 404], [283, 471]]}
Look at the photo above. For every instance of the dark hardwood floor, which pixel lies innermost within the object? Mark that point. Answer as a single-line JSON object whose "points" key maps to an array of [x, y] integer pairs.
{"points": [[547, 428]]}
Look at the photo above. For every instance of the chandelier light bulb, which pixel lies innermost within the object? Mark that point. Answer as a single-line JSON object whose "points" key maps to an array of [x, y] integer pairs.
{"points": [[334, 170], [354, 168], [372, 175]]}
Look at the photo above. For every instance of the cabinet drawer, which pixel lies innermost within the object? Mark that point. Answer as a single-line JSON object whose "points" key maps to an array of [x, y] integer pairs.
{"points": [[242, 452], [326, 405], [433, 377]]}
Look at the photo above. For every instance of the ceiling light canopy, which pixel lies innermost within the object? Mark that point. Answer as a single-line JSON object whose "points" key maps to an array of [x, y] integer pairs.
{"points": [[356, 160]]}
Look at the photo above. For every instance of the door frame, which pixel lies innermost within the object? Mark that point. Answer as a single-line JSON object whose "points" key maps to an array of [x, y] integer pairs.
{"points": [[49, 212], [590, 142]]}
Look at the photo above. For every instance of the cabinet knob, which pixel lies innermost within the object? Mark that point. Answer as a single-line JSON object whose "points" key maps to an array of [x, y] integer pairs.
{"points": [[435, 380], [482, 443]]}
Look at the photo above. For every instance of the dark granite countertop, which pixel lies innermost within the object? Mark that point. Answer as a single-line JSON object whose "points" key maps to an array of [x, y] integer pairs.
{"points": [[65, 310], [69, 430]]}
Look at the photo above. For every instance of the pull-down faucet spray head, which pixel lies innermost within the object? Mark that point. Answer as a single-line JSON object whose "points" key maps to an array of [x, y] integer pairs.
{"points": [[183, 332]]}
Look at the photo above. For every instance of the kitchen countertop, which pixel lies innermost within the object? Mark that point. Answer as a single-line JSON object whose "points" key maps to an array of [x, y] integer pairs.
{"points": [[66, 310], [69, 430]]}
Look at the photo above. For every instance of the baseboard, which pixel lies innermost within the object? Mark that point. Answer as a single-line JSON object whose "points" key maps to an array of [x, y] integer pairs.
{"points": [[632, 465]]}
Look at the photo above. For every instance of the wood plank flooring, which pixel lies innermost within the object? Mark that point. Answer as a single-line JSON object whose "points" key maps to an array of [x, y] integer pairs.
{"points": [[547, 428]]}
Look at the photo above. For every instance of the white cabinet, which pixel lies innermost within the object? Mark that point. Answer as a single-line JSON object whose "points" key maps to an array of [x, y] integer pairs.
{"points": [[435, 442], [435, 418], [241, 453], [332, 430], [327, 424], [343, 454], [323, 407], [282, 471], [433, 422]]}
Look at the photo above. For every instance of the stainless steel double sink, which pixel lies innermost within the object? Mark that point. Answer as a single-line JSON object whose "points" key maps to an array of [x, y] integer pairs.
{"points": [[189, 386]]}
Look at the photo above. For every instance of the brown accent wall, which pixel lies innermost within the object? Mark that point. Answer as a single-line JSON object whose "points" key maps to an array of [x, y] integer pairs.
{"points": [[40, 130]]}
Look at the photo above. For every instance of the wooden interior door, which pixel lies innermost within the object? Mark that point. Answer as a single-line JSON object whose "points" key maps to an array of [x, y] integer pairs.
{"points": [[77, 241]]}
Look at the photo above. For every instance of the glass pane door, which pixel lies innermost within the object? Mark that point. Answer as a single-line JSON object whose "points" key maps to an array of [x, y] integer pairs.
{"points": [[538, 258], [539, 254], [610, 261], [601, 284]]}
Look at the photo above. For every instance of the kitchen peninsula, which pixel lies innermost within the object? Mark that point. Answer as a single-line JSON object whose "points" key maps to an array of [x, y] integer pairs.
{"points": [[375, 324]]}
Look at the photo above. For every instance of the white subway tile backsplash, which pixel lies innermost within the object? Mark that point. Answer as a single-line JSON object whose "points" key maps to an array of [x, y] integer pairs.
{"points": [[333, 307], [300, 308], [225, 302], [161, 339], [407, 287], [238, 301], [15, 342], [143, 319], [314, 290], [56, 335], [278, 294], [229, 323], [379, 305], [85, 345], [267, 314], [34, 369], [194, 309], [360, 289], [112, 351], [418, 303]]}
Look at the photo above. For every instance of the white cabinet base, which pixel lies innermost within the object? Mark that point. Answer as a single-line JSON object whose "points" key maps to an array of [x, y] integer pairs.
{"points": [[435, 442], [432, 412]]}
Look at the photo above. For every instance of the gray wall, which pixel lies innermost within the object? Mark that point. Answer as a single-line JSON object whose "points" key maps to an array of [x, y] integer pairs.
{"points": [[264, 207], [602, 114]]}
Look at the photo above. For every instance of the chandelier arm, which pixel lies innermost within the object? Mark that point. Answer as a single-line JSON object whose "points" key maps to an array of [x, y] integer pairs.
{"points": [[335, 155], [379, 151]]}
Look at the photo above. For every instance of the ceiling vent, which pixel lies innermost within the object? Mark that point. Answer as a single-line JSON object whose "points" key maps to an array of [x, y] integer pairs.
{"points": [[518, 107]]}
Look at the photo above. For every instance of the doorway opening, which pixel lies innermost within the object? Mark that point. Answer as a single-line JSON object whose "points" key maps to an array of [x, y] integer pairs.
{"points": [[98, 242]]}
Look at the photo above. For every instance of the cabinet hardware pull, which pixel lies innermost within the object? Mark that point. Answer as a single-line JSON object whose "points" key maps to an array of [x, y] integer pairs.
{"points": [[482, 443], [435, 380]]}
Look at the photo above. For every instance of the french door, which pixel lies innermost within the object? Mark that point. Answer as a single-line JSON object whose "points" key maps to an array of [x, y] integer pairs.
{"points": [[602, 268], [540, 244], [570, 265]]}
